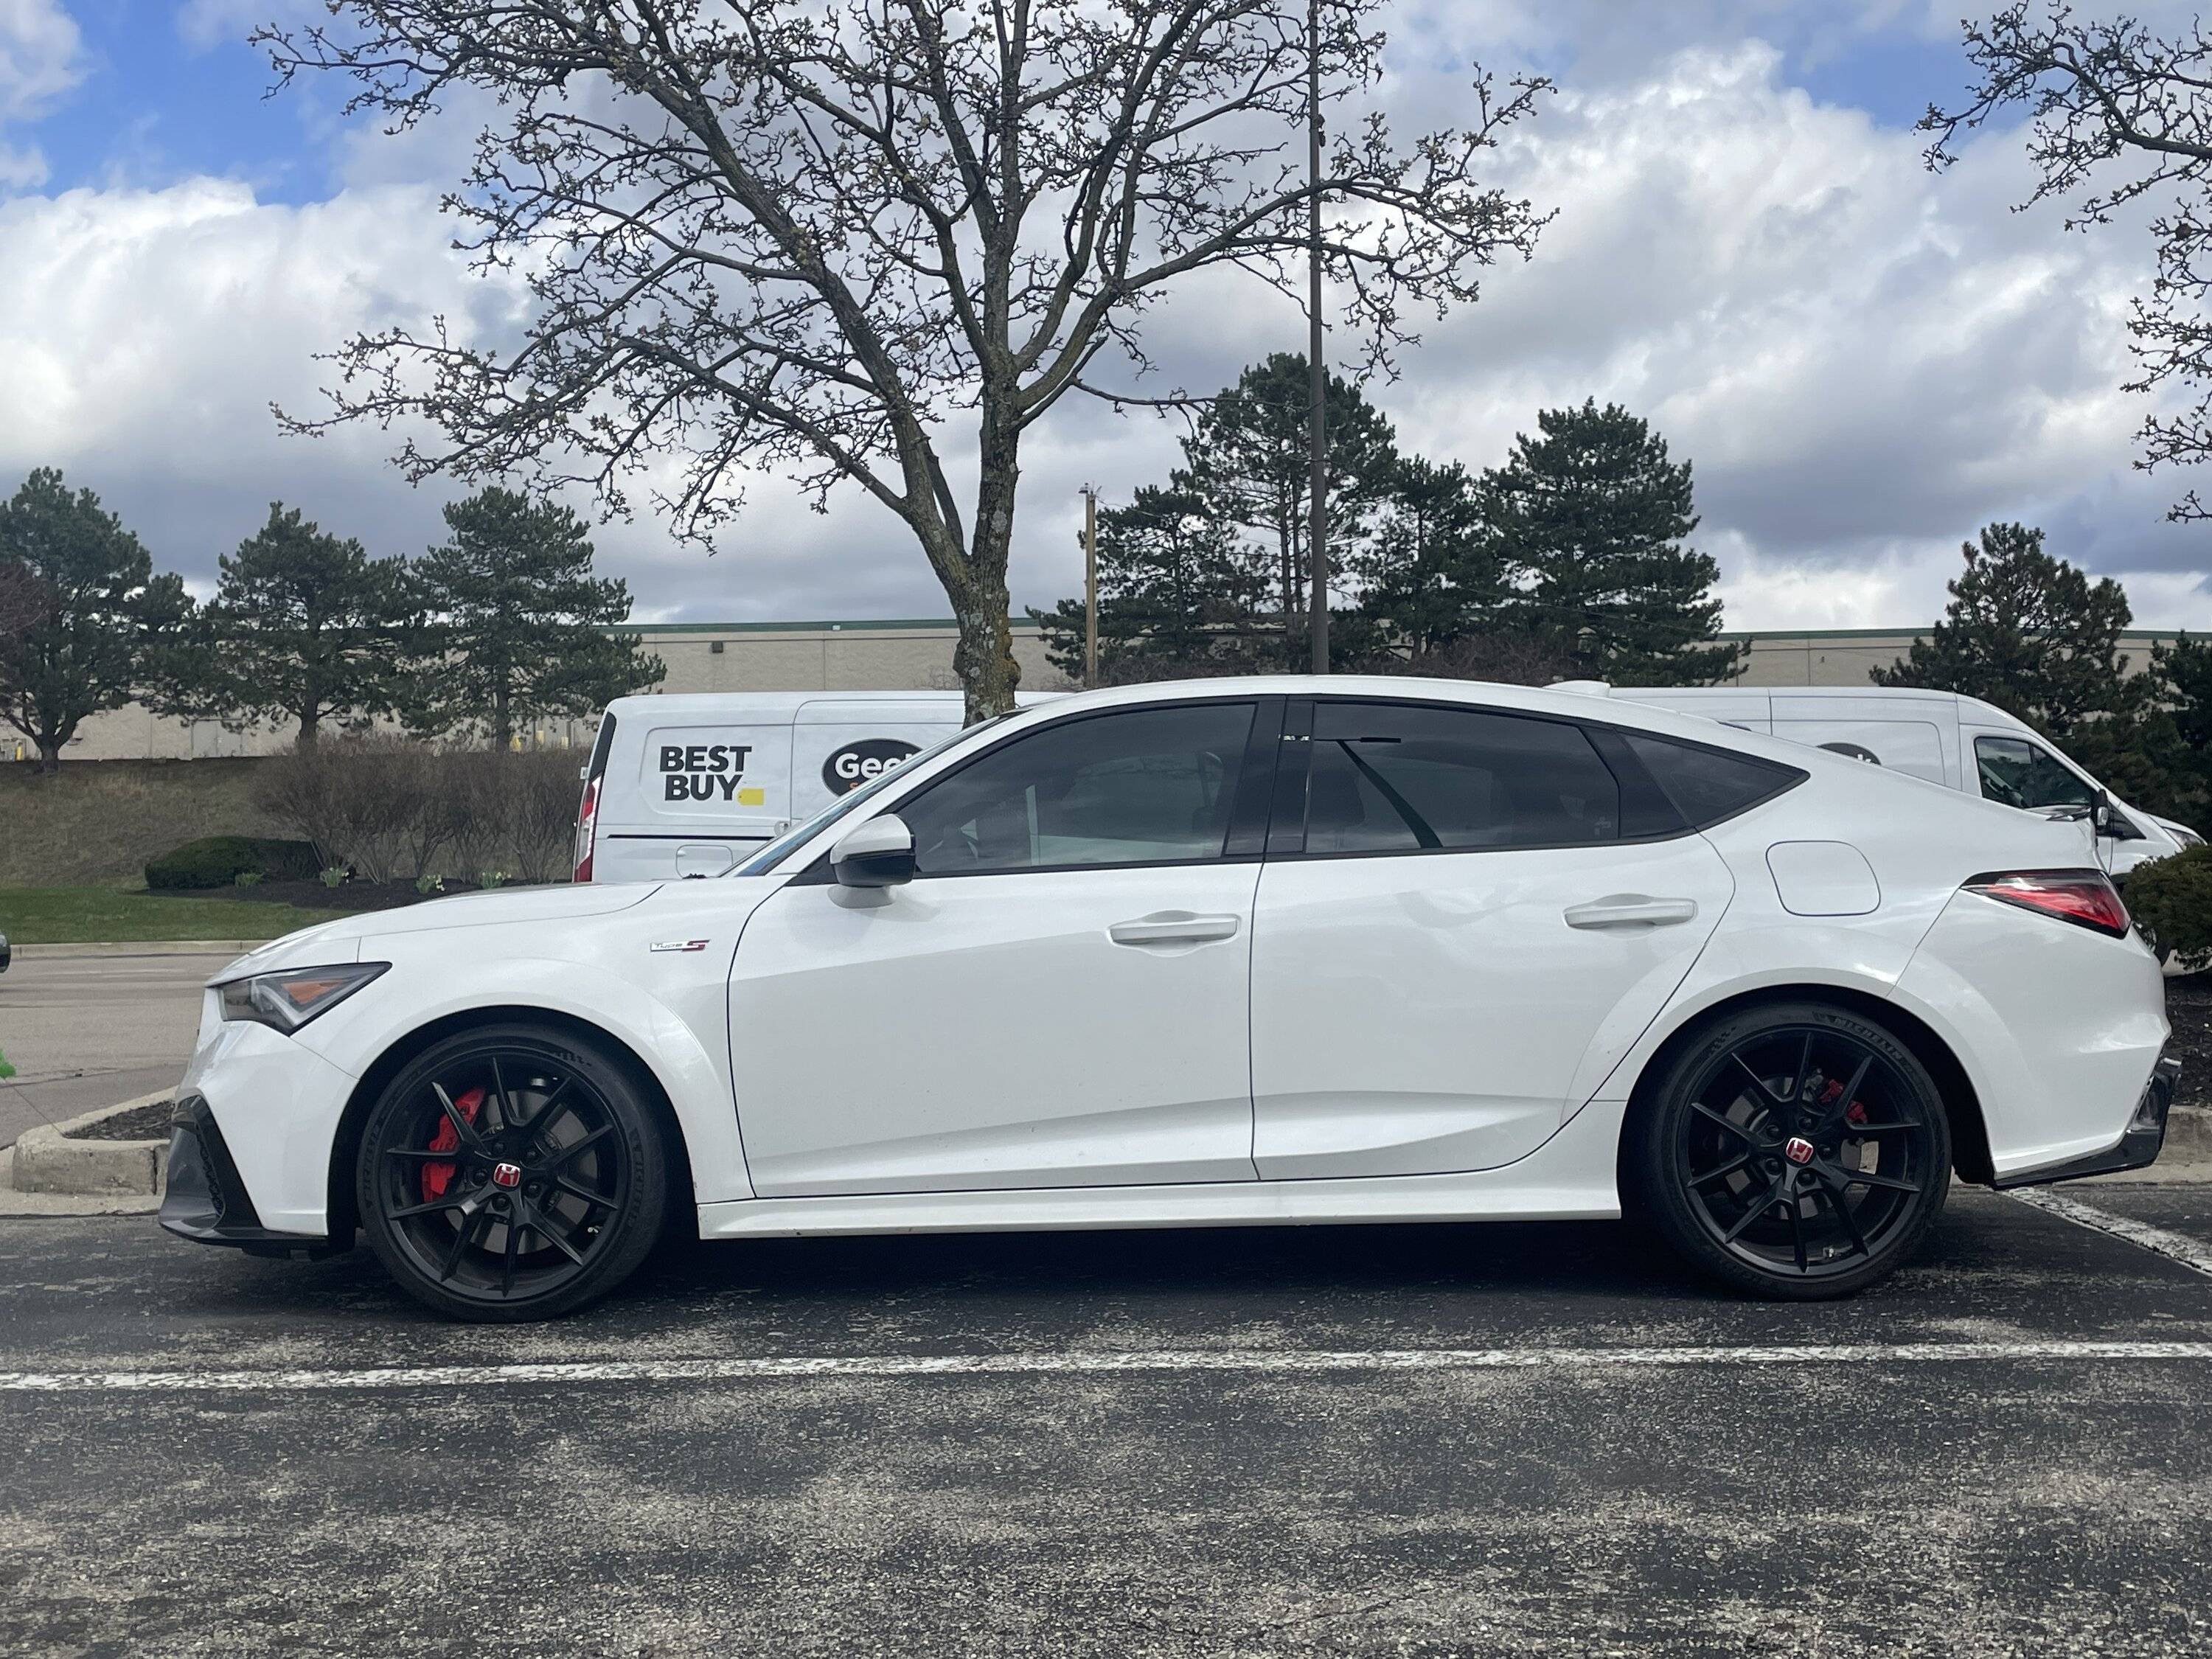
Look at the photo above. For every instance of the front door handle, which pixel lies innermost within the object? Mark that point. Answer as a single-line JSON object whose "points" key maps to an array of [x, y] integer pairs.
{"points": [[1631, 909], [1173, 927]]}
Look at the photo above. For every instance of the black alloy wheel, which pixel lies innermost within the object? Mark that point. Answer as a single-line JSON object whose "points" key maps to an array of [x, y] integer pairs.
{"points": [[512, 1173], [1797, 1152]]}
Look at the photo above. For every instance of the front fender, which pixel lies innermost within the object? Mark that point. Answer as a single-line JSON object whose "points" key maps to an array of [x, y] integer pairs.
{"points": [[677, 1029]]}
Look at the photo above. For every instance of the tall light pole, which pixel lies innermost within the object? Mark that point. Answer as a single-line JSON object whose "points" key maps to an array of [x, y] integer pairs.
{"points": [[1317, 420], [1090, 588]]}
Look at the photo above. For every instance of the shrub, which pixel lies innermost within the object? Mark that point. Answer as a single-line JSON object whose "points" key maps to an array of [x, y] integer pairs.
{"points": [[2171, 899], [219, 860], [246, 879], [335, 876]]}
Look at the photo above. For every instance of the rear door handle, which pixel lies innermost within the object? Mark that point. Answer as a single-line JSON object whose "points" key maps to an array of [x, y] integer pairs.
{"points": [[1631, 909], [1173, 927]]}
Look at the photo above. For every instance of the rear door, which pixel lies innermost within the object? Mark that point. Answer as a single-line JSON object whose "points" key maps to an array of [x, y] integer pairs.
{"points": [[1903, 735], [1465, 918]]}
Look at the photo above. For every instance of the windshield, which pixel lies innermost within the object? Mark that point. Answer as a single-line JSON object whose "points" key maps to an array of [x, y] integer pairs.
{"points": [[768, 856]]}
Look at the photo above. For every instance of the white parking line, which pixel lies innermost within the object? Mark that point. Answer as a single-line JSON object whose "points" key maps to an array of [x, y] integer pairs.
{"points": [[1047, 1363], [2177, 1247]]}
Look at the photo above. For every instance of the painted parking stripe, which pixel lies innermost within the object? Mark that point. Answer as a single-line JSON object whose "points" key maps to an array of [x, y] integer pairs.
{"points": [[2177, 1247], [780, 1368]]}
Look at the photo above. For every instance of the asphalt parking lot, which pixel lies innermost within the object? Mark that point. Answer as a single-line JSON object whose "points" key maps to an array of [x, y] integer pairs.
{"points": [[1508, 1438], [86, 1031]]}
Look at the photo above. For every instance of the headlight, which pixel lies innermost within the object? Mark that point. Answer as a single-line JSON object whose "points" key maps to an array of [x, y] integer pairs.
{"points": [[288, 999], [2187, 837]]}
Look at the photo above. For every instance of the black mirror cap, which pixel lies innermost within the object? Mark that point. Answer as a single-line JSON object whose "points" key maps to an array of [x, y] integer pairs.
{"points": [[7, 953], [886, 869]]}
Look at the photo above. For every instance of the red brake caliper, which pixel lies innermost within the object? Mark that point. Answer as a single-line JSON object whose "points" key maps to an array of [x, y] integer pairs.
{"points": [[436, 1177], [1857, 1116]]}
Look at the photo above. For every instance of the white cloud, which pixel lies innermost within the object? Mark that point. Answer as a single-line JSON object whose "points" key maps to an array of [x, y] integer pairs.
{"points": [[42, 58], [1864, 362]]}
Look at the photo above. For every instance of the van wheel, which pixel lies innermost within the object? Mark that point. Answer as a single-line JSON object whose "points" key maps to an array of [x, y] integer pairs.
{"points": [[1795, 1152], [512, 1173]]}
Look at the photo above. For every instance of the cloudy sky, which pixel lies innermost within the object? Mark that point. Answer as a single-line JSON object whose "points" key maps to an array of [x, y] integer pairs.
{"points": [[1864, 362]]}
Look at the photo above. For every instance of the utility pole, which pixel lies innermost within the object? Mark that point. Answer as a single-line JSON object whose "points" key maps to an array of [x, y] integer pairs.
{"points": [[1090, 587], [1317, 422]]}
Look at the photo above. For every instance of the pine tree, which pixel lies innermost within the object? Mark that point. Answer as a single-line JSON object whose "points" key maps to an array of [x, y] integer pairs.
{"points": [[1177, 595], [518, 629], [1432, 575], [1591, 515], [86, 611], [303, 628], [2032, 634], [1249, 460]]}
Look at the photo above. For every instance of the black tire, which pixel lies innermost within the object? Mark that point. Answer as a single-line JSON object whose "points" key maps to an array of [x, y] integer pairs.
{"points": [[1797, 1152], [551, 1188]]}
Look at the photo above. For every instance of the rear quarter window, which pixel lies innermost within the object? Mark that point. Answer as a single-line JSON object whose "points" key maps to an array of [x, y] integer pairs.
{"points": [[1708, 785]]}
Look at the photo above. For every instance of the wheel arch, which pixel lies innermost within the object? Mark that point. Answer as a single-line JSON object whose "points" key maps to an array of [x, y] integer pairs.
{"points": [[345, 1143], [1970, 1140]]}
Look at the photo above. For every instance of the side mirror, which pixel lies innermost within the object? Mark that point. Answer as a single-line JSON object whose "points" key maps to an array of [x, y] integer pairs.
{"points": [[7, 955], [879, 854], [696, 860]]}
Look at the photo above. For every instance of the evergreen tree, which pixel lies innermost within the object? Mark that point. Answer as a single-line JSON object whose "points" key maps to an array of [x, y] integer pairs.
{"points": [[1249, 460], [2032, 634], [86, 610], [518, 627], [1178, 595], [1431, 574], [303, 628], [1591, 515]]}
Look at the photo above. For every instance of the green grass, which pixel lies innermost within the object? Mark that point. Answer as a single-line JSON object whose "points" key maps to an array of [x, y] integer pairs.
{"points": [[100, 821], [78, 915]]}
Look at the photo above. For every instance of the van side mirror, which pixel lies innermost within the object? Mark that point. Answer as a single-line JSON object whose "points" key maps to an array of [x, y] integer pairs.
{"points": [[879, 854]]}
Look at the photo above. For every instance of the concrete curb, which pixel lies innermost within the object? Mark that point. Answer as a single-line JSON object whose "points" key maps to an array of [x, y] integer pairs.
{"points": [[47, 1161], [144, 947]]}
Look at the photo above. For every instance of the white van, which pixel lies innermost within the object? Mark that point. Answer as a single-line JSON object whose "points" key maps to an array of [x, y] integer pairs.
{"points": [[1958, 741], [688, 785]]}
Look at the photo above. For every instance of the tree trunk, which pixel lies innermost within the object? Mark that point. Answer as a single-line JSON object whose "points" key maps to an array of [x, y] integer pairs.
{"points": [[310, 729], [984, 657], [50, 756]]}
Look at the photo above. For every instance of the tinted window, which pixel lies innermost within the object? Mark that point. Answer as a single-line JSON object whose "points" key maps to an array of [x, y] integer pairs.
{"points": [[1707, 785], [2022, 774], [1391, 778], [1137, 787]]}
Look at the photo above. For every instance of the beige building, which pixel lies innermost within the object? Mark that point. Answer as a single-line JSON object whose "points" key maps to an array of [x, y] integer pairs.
{"points": [[898, 656]]}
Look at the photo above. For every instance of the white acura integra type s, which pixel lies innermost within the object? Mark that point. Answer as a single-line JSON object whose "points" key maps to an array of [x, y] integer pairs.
{"points": [[1259, 951]]}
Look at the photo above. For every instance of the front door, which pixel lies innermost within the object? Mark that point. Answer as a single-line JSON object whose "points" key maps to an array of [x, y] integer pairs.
{"points": [[1474, 913], [1058, 999]]}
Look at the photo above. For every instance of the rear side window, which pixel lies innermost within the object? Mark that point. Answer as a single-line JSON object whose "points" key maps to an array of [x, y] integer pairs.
{"points": [[1707, 785], [1388, 777]]}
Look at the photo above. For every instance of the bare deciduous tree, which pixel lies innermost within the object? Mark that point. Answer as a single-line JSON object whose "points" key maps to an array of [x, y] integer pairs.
{"points": [[2118, 114], [819, 237]]}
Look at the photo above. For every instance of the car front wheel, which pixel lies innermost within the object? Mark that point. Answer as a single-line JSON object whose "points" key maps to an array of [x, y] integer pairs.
{"points": [[1794, 1151], [512, 1173]]}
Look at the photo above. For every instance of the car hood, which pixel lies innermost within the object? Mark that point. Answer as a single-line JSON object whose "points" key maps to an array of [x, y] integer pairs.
{"points": [[343, 940]]}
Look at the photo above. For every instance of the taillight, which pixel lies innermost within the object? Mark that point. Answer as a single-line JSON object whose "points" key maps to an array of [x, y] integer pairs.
{"points": [[2085, 897], [587, 829]]}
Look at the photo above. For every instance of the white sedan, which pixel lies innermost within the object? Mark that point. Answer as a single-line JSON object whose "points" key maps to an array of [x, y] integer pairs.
{"points": [[1219, 954]]}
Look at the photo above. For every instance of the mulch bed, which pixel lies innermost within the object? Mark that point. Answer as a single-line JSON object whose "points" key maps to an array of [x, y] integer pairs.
{"points": [[139, 1123], [351, 896], [2189, 1011]]}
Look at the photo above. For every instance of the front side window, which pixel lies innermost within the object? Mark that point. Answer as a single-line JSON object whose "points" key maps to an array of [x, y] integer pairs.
{"points": [[1140, 786], [1389, 777], [2026, 774]]}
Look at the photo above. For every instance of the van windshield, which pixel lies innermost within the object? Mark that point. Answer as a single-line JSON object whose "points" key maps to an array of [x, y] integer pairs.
{"points": [[768, 856]]}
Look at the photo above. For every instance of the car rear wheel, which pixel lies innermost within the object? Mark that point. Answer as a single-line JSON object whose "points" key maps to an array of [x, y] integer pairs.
{"points": [[512, 1173], [1795, 1150]]}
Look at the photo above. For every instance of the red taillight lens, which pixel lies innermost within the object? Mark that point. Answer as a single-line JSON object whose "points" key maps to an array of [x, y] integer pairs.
{"points": [[2084, 897], [587, 829]]}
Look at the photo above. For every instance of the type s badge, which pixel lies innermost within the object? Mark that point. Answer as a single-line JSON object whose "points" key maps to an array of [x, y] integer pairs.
{"points": [[864, 762]]}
